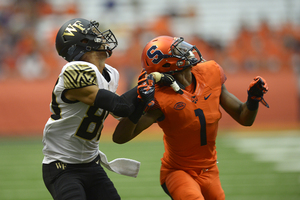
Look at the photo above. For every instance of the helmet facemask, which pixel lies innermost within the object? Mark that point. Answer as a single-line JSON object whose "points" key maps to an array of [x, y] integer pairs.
{"points": [[188, 54], [95, 40], [98, 38]]}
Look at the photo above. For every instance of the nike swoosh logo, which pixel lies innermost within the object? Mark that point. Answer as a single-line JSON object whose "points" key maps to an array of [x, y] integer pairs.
{"points": [[205, 98]]}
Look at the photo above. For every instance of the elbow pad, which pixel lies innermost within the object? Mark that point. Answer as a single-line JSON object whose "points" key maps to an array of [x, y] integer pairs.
{"points": [[121, 106]]}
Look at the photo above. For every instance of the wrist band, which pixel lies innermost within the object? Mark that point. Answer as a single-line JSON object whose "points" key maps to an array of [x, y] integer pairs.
{"points": [[252, 104]]}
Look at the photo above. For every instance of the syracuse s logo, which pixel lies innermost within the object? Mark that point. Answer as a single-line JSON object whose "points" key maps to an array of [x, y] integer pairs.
{"points": [[156, 55], [72, 28], [179, 106]]}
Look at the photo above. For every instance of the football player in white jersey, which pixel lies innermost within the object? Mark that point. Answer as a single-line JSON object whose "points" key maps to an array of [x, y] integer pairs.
{"points": [[82, 98]]}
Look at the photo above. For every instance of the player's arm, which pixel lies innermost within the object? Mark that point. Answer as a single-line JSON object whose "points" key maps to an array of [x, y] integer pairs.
{"points": [[129, 128], [80, 82], [126, 130], [121, 106], [86, 95], [236, 109], [245, 113]]}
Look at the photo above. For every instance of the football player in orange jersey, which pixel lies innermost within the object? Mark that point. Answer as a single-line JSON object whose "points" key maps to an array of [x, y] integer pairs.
{"points": [[189, 117]]}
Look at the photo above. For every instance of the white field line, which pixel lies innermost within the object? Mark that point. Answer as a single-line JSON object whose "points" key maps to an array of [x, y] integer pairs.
{"points": [[282, 150]]}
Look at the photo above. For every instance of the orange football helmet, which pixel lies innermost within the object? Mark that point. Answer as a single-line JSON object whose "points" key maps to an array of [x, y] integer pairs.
{"points": [[167, 54]]}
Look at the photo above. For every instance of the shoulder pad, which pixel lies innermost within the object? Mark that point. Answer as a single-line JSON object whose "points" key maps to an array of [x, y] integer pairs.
{"points": [[78, 76]]}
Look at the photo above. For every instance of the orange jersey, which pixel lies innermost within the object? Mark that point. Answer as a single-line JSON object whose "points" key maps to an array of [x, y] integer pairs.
{"points": [[190, 121]]}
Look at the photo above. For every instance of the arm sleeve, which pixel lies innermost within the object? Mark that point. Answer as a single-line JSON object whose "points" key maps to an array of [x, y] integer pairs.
{"points": [[121, 106]]}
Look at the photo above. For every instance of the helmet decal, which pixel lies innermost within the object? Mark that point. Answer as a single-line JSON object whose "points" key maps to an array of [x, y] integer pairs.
{"points": [[71, 28], [156, 56]]}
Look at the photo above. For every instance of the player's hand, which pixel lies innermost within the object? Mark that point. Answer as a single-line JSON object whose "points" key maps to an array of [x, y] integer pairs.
{"points": [[146, 89], [167, 80], [257, 88]]}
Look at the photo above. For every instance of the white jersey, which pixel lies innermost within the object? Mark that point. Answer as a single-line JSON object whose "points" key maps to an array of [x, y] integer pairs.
{"points": [[71, 135]]}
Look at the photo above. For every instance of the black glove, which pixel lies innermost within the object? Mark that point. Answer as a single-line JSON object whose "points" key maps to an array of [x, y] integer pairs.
{"points": [[257, 88], [168, 80], [146, 89]]}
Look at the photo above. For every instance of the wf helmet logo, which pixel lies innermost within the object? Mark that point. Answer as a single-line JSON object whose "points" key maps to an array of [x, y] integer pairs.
{"points": [[72, 28]]}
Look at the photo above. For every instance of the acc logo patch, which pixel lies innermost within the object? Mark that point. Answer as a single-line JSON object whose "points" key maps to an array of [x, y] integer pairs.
{"points": [[179, 106]]}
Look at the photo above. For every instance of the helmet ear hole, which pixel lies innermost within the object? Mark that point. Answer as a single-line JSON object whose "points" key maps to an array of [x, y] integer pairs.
{"points": [[166, 65], [85, 41]]}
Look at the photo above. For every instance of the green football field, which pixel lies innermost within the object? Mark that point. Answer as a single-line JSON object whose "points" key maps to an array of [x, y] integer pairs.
{"points": [[261, 167]]}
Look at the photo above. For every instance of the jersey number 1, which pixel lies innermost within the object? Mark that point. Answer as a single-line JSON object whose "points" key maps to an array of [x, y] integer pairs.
{"points": [[199, 113]]}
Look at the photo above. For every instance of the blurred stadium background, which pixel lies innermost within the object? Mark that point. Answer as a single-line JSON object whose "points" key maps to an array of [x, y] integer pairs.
{"points": [[247, 38]]}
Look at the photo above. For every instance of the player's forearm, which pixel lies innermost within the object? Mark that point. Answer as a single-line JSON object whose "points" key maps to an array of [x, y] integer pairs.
{"points": [[247, 116], [240, 113], [124, 131], [238, 110], [121, 106]]}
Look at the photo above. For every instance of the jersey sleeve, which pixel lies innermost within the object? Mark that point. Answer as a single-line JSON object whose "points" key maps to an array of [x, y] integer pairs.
{"points": [[222, 74], [78, 76]]}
